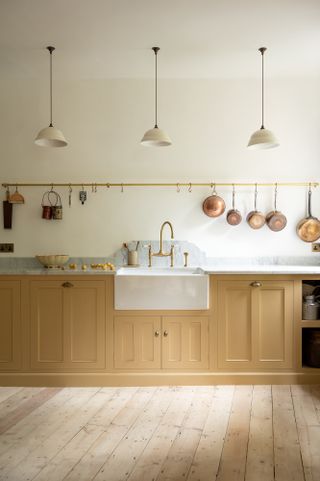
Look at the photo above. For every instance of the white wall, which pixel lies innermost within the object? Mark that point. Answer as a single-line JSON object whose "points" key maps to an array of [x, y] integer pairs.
{"points": [[209, 122]]}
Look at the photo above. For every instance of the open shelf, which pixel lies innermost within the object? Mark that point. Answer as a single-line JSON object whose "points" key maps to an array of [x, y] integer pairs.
{"points": [[306, 323]]}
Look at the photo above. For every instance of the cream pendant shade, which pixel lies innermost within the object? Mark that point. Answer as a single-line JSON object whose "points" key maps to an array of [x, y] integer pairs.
{"points": [[50, 136], [156, 137], [263, 139]]}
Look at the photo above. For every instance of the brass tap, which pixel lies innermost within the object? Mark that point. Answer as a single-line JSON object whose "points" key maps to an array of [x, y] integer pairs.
{"points": [[161, 253]]}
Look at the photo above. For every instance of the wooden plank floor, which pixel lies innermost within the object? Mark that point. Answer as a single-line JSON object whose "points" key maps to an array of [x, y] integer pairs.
{"points": [[203, 433]]}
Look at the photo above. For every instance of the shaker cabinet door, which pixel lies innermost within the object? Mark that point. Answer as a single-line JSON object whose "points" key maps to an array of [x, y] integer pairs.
{"points": [[137, 341], [48, 325], [273, 312], [255, 324], [85, 302], [67, 324], [185, 342], [10, 325], [235, 325]]}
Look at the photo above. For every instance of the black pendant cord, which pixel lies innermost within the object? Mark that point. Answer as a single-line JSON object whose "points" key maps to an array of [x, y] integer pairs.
{"points": [[156, 50], [51, 49], [262, 50]]}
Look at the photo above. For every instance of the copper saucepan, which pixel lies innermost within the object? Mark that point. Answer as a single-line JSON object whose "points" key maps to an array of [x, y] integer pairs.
{"points": [[255, 218], [276, 221], [308, 229], [233, 215], [214, 205]]}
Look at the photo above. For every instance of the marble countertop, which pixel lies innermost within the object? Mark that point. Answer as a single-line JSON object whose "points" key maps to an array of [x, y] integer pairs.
{"points": [[210, 269], [262, 269], [54, 272]]}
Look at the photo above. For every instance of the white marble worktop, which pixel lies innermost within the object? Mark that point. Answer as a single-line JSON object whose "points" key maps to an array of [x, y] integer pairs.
{"points": [[218, 269], [263, 265], [262, 269]]}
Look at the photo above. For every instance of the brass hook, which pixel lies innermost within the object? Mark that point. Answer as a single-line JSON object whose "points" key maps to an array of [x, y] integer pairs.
{"points": [[178, 188], [190, 188]]}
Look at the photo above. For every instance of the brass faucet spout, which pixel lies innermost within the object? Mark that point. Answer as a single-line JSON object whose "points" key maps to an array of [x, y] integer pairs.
{"points": [[161, 253], [161, 234]]}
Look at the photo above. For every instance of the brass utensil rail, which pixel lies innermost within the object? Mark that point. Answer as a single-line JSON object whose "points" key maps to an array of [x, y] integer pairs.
{"points": [[176, 185]]}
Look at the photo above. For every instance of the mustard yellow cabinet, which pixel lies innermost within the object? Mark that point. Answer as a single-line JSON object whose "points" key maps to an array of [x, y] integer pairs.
{"points": [[137, 342], [67, 324], [10, 325], [154, 342], [255, 324], [185, 342]]}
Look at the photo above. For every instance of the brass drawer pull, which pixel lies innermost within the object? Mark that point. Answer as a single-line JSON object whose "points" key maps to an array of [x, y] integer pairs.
{"points": [[157, 334], [255, 284], [165, 333], [67, 284]]}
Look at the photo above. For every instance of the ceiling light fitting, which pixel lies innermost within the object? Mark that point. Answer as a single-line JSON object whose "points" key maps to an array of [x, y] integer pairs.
{"points": [[156, 137], [50, 136], [262, 138]]}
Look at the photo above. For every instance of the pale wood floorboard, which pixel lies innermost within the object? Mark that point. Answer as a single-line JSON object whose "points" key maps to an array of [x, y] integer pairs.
{"points": [[187, 433]]}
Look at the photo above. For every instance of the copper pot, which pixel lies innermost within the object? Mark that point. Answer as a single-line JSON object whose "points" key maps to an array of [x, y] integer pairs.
{"points": [[214, 206], [233, 215], [276, 221], [308, 229], [255, 218]]}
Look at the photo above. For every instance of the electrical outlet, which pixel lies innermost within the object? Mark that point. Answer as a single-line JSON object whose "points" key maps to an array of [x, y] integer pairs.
{"points": [[6, 248], [316, 247]]}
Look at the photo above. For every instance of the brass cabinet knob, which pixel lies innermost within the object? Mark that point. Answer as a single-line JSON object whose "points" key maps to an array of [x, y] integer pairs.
{"points": [[67, 284], [157, 334], [165, 333], [255, 284]]}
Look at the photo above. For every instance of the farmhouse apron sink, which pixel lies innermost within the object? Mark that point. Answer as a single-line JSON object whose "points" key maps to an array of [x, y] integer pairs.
{"points": [[161, 288]]}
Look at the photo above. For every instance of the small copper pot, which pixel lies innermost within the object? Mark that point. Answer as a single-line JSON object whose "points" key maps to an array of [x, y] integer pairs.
{"points": [[276, 221], [214, 206], [255, 218], [233, 215], [308, 229]]}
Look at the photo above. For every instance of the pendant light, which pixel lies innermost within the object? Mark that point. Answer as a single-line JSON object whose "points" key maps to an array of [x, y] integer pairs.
{"points": [[156, 137], [50, 136], [262, 138]]}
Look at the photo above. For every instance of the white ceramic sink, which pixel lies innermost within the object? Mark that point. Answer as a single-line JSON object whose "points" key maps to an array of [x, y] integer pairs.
{"points": [[161, 288]]}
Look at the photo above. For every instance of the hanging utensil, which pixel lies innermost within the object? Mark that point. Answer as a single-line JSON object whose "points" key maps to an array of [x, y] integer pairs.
{"points": [[48, 203], [255, 218], [7, 212], [214, 206], [16, 197], [82, 195], [276, 221], [70, 195], [233, 215], [308, 229]]}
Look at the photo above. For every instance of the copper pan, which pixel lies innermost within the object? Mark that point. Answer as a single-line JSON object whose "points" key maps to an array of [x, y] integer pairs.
{"points": [[214, 205], [233, 215], [308, 229], [276, 221], [255, 218]]}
